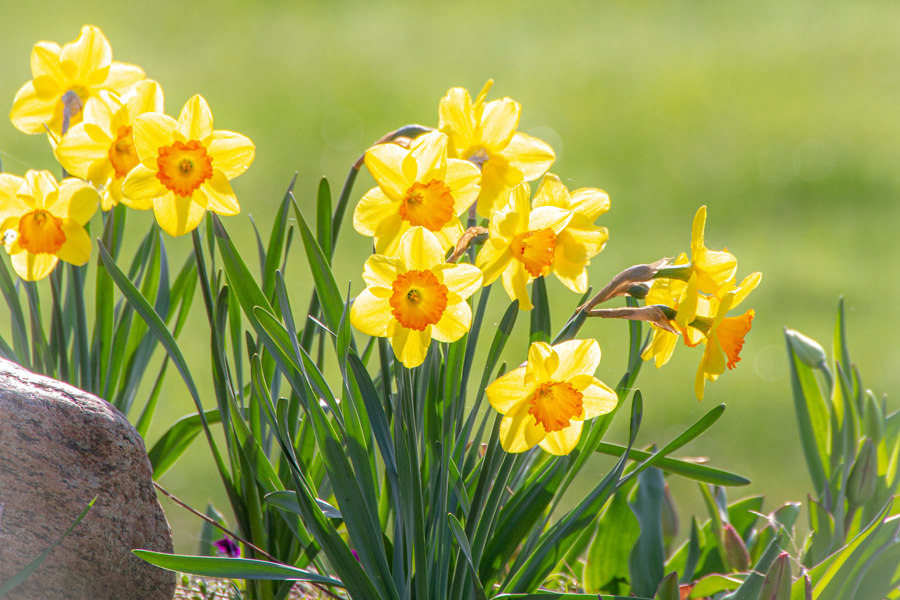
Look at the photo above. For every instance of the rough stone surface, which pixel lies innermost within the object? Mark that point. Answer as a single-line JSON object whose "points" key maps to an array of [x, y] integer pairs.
{"points": [[60, 447]]}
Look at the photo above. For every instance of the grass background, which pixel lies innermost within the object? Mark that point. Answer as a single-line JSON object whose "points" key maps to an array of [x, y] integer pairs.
{"points": [[782, 117]]}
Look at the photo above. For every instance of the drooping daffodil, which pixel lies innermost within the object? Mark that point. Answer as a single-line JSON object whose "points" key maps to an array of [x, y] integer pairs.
{"points": [[414, 296], [546, 401], [416, 187], [42, 221]]}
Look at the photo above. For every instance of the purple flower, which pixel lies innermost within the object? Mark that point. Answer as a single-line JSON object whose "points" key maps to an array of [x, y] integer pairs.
{"points": [[228, 547]]}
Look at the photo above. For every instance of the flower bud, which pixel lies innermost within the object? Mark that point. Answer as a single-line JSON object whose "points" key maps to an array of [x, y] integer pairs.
{"points": [[777, 585], [863, 475], [874, 419], [736, 550], [807, 350]]}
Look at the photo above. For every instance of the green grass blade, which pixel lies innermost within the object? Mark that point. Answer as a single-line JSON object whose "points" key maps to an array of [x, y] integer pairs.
{"points": [[177, 439], [326, 288], [17, 317], [324, 218], [460, 536], [232, 568], [276, 242], [675, 466]]}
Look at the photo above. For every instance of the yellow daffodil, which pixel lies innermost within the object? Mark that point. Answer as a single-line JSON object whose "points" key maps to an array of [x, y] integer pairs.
{"points": [[522, 244], [547, 400], [416, 187], [185, 167], [101, 148], [581, 239], [724, 335], [415, 296], [485, 134], [665, 292], [84, 67], [42, 221]]}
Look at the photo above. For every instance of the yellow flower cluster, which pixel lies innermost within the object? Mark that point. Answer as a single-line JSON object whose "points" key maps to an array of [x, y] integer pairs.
{"points": [[107, 127], [477, 162], [701, 299]]}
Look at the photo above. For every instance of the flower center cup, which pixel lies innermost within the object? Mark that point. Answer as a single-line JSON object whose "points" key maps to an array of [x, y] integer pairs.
{"points": [[534, 249], [183, 167], [730, 333], [122, 153], [41, 233], [429, 205], [418, 299], [554, 403]]}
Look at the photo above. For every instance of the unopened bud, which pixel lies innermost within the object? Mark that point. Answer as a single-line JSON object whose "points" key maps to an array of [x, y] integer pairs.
{"points": [[777, 585], [863, 475], [668, 588], [874, 423], [736, 550], [807, 350]]}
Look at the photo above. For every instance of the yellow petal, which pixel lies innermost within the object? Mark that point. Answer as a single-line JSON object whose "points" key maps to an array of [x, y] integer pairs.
{"points": [[389, 233], [551, 217], [196, 121], [77, 200], [515, 281], [450, 234], [41, 186], [10, 203], [497, 179], [661, 347], [380, 271], [409, 345], [519, 430], [32, 267], [151, 132], [430, 153], [542, 363], [551, 192], [370, 314], [122, 76], [29, 112], [176, 215], [498, 124], [146, 96], [90, 52], [493, 261], [45, 61], [385, 163], [530, 156], [573, 275], [591, 202], [77, 152], [219, 195], [564, 441], [77, 247], [231, 152], [597, 399], [464, 180], [747, 285], [456, 119], [454, 323], [99, 111], [372, 209], [141, 184], [462, 279], [420, 250], [508, 390], [576, 357]]}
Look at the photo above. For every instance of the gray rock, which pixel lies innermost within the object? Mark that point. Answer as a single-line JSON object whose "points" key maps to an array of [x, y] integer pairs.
{"points": [[60, 447]]}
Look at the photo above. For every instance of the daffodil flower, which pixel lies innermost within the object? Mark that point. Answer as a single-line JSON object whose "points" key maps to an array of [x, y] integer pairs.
{"points": [[521, 244], [414, 297], [485, 134], [416, 187], [724, 335], [42, 221], [547, 400], [101, 148], [713, 268], [581, 239], [84, 67], [185, 167]]}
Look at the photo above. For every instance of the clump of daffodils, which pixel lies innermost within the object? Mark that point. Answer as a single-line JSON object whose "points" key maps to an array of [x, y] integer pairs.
{"points": [[109, 132]]}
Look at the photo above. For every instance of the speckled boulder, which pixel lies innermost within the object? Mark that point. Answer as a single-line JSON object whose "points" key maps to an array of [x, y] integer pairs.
{"points": [[60, 447]]}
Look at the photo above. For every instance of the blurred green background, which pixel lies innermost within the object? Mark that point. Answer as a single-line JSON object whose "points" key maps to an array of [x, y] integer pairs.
{"points": [[781, 117]]}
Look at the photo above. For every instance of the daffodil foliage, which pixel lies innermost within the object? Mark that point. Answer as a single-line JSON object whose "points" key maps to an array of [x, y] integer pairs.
{"points": [[403, 439]]}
